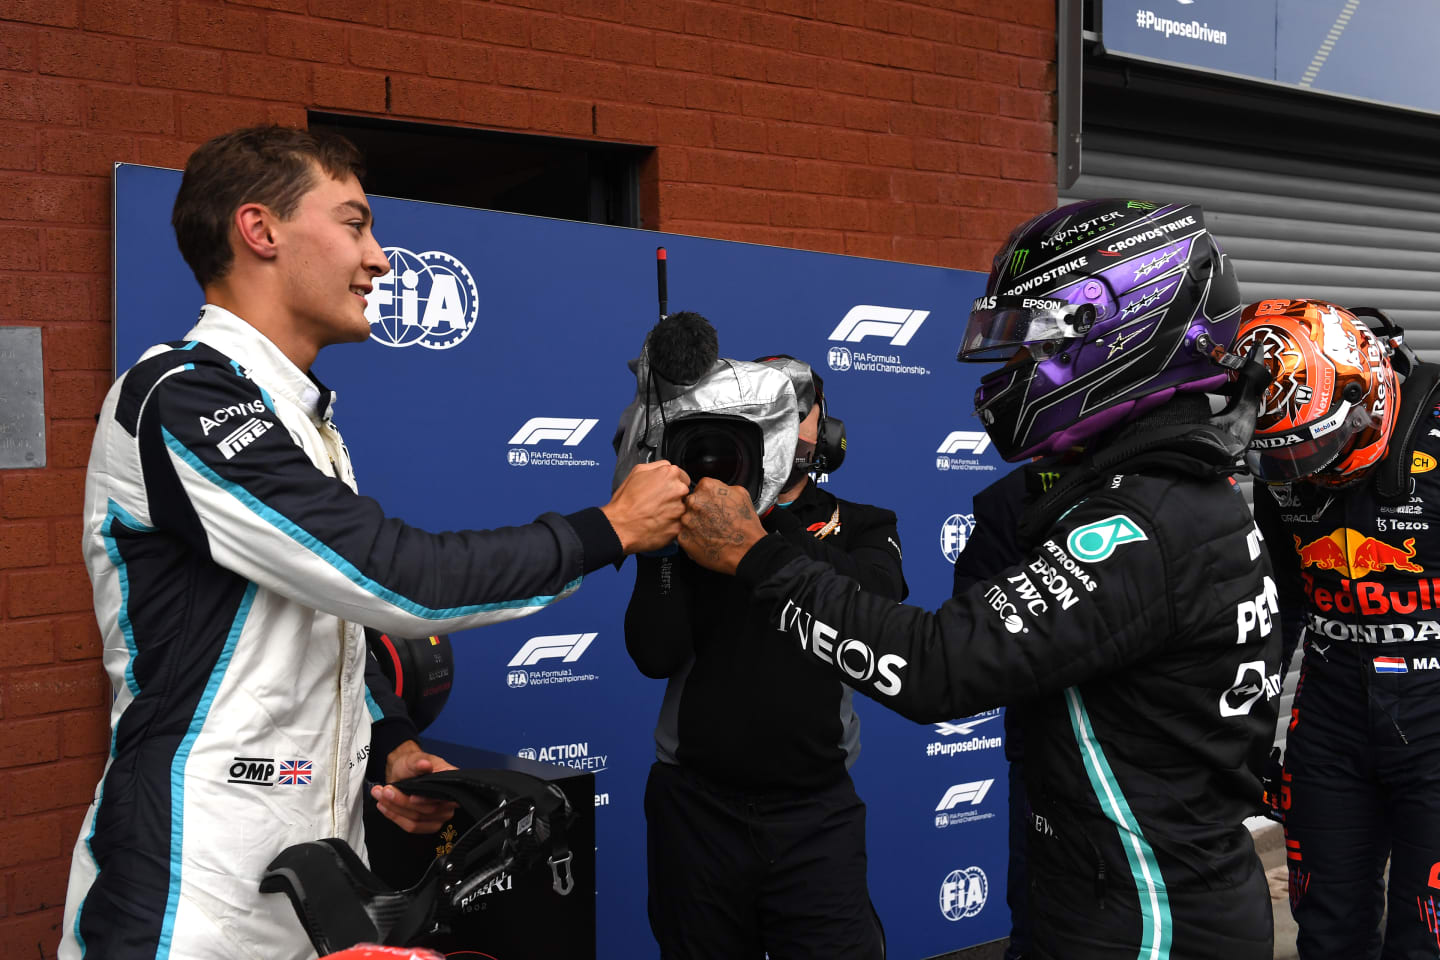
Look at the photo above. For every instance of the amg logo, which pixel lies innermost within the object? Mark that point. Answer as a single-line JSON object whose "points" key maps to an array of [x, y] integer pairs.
{"points": [[241, 438]]}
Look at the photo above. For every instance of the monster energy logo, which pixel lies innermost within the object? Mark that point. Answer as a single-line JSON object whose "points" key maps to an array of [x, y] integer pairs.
{"points": [[1139, 205], [1017, 261], [1047, 478]]}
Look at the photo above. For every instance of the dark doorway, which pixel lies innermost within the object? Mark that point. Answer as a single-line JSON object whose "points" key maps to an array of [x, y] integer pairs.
{"points": [[541, 176]]}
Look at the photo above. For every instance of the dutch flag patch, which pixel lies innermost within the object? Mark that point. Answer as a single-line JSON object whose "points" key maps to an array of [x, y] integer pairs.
{"points": [[1390, 665]]}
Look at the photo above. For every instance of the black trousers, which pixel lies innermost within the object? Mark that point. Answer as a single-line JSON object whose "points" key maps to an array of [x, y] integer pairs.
{"points": [[736, 875], [1360, 792]]}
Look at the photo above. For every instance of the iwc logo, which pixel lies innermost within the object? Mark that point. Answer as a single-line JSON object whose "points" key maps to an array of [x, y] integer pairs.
{"points": [[427, 298]]}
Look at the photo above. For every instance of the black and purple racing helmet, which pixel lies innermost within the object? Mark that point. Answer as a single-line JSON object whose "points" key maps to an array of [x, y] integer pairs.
{"points": [[1107, 298]]}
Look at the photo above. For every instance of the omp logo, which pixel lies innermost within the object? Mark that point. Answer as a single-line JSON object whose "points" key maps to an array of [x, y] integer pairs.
{"points": [[971, 793], [427, 298], [963, 893], [867, 320], [976, 441], [569, 429], [963, 727], [567, 646], [247, 433], [252, 771]]}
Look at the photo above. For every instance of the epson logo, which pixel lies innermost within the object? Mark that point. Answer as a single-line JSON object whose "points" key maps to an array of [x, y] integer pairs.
{"points": [[867, 320], [976, 441], [971, 793], [567, 647], [568, 429]]}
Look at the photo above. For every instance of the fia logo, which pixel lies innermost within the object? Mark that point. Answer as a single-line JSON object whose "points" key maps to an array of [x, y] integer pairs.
{"points": [[427, 298], [839, 359], [954, 533], [867, 320], [963, 893], [526, 753]]}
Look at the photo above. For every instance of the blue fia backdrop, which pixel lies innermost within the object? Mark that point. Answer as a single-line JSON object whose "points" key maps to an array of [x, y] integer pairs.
{"points": [[489, 393]]}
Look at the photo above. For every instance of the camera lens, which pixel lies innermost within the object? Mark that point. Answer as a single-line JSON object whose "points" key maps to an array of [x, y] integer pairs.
{"points": [[713, 455]]}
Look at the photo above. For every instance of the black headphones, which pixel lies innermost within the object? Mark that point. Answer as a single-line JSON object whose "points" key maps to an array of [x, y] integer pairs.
{"points": [[421, 670], [830, 431]]}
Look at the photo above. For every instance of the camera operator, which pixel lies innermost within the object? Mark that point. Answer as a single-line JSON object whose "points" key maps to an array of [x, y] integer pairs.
{"points": [[756, 837]]}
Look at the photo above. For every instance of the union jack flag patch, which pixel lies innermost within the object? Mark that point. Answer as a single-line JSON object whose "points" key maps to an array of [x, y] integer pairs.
{"points": [[295, 771]]}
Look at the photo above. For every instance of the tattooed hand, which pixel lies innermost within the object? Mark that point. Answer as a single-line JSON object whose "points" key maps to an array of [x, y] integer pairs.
{"points": [[719, 525]]}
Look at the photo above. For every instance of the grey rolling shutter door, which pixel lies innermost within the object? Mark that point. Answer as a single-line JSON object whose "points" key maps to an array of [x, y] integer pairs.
{"points": [[1294, 227]]}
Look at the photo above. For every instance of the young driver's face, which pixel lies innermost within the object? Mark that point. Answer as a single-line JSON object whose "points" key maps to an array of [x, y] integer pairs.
{"points": [[330, 259]]}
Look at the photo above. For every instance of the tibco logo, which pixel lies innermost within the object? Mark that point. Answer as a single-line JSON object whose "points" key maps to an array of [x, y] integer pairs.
{"points": [[866, 320], [568, 429], [568, 646]]}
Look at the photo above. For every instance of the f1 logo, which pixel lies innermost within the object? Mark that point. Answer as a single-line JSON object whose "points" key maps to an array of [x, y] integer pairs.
{"points": [[568, 646], [972, 793], [865, 320], [976, 441], [569, 429]]}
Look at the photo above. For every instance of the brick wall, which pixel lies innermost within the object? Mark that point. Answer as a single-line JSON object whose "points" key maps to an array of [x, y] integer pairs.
{"points": [[917, 131]]}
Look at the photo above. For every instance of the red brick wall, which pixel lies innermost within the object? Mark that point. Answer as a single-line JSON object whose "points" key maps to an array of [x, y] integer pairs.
{"points": [[918, 131]]}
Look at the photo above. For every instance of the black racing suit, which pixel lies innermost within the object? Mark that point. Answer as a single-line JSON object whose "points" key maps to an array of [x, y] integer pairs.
{"points": [[756, 835], [993, 545], [1137, 628], [1359, 574]]}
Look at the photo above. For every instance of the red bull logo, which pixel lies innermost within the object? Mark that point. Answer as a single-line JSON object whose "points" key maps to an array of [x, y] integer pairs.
{"points": [[1356, 555]]}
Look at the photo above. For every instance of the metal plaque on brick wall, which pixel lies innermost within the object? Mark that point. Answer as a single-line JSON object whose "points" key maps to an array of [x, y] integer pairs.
{"points": [[22, 398]]}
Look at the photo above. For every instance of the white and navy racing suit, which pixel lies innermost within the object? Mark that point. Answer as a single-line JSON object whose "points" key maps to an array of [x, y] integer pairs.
{"points": [[1138, 631], [233, 566]]}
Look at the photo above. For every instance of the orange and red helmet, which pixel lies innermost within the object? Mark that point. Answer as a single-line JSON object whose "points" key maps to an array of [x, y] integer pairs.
{"points": [[1327, 416]]}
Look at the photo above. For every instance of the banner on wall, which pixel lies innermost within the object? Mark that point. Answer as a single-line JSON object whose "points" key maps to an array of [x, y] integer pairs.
{"points": [[488, 393]]}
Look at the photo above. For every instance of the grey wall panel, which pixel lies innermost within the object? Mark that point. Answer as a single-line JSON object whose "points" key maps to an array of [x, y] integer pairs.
{"points": [[1294, 226]]}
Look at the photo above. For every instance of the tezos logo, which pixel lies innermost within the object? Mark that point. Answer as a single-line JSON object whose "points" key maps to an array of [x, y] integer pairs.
{"points": [[954, 533], [427, 298], [963, 893], [1096, 541]]}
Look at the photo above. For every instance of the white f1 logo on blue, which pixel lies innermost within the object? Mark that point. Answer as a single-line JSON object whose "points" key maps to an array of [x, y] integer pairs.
{"points": [[569, 429], [566, 645], [976, 441], [865, 320], [963, 792]]}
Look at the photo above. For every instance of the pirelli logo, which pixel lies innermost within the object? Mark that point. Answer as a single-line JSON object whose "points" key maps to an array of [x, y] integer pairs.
{"points": [[246, 434]]}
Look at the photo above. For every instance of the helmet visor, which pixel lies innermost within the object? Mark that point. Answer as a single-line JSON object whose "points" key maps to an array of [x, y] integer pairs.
{"points": [[1001, 325], [1307, 449]]}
